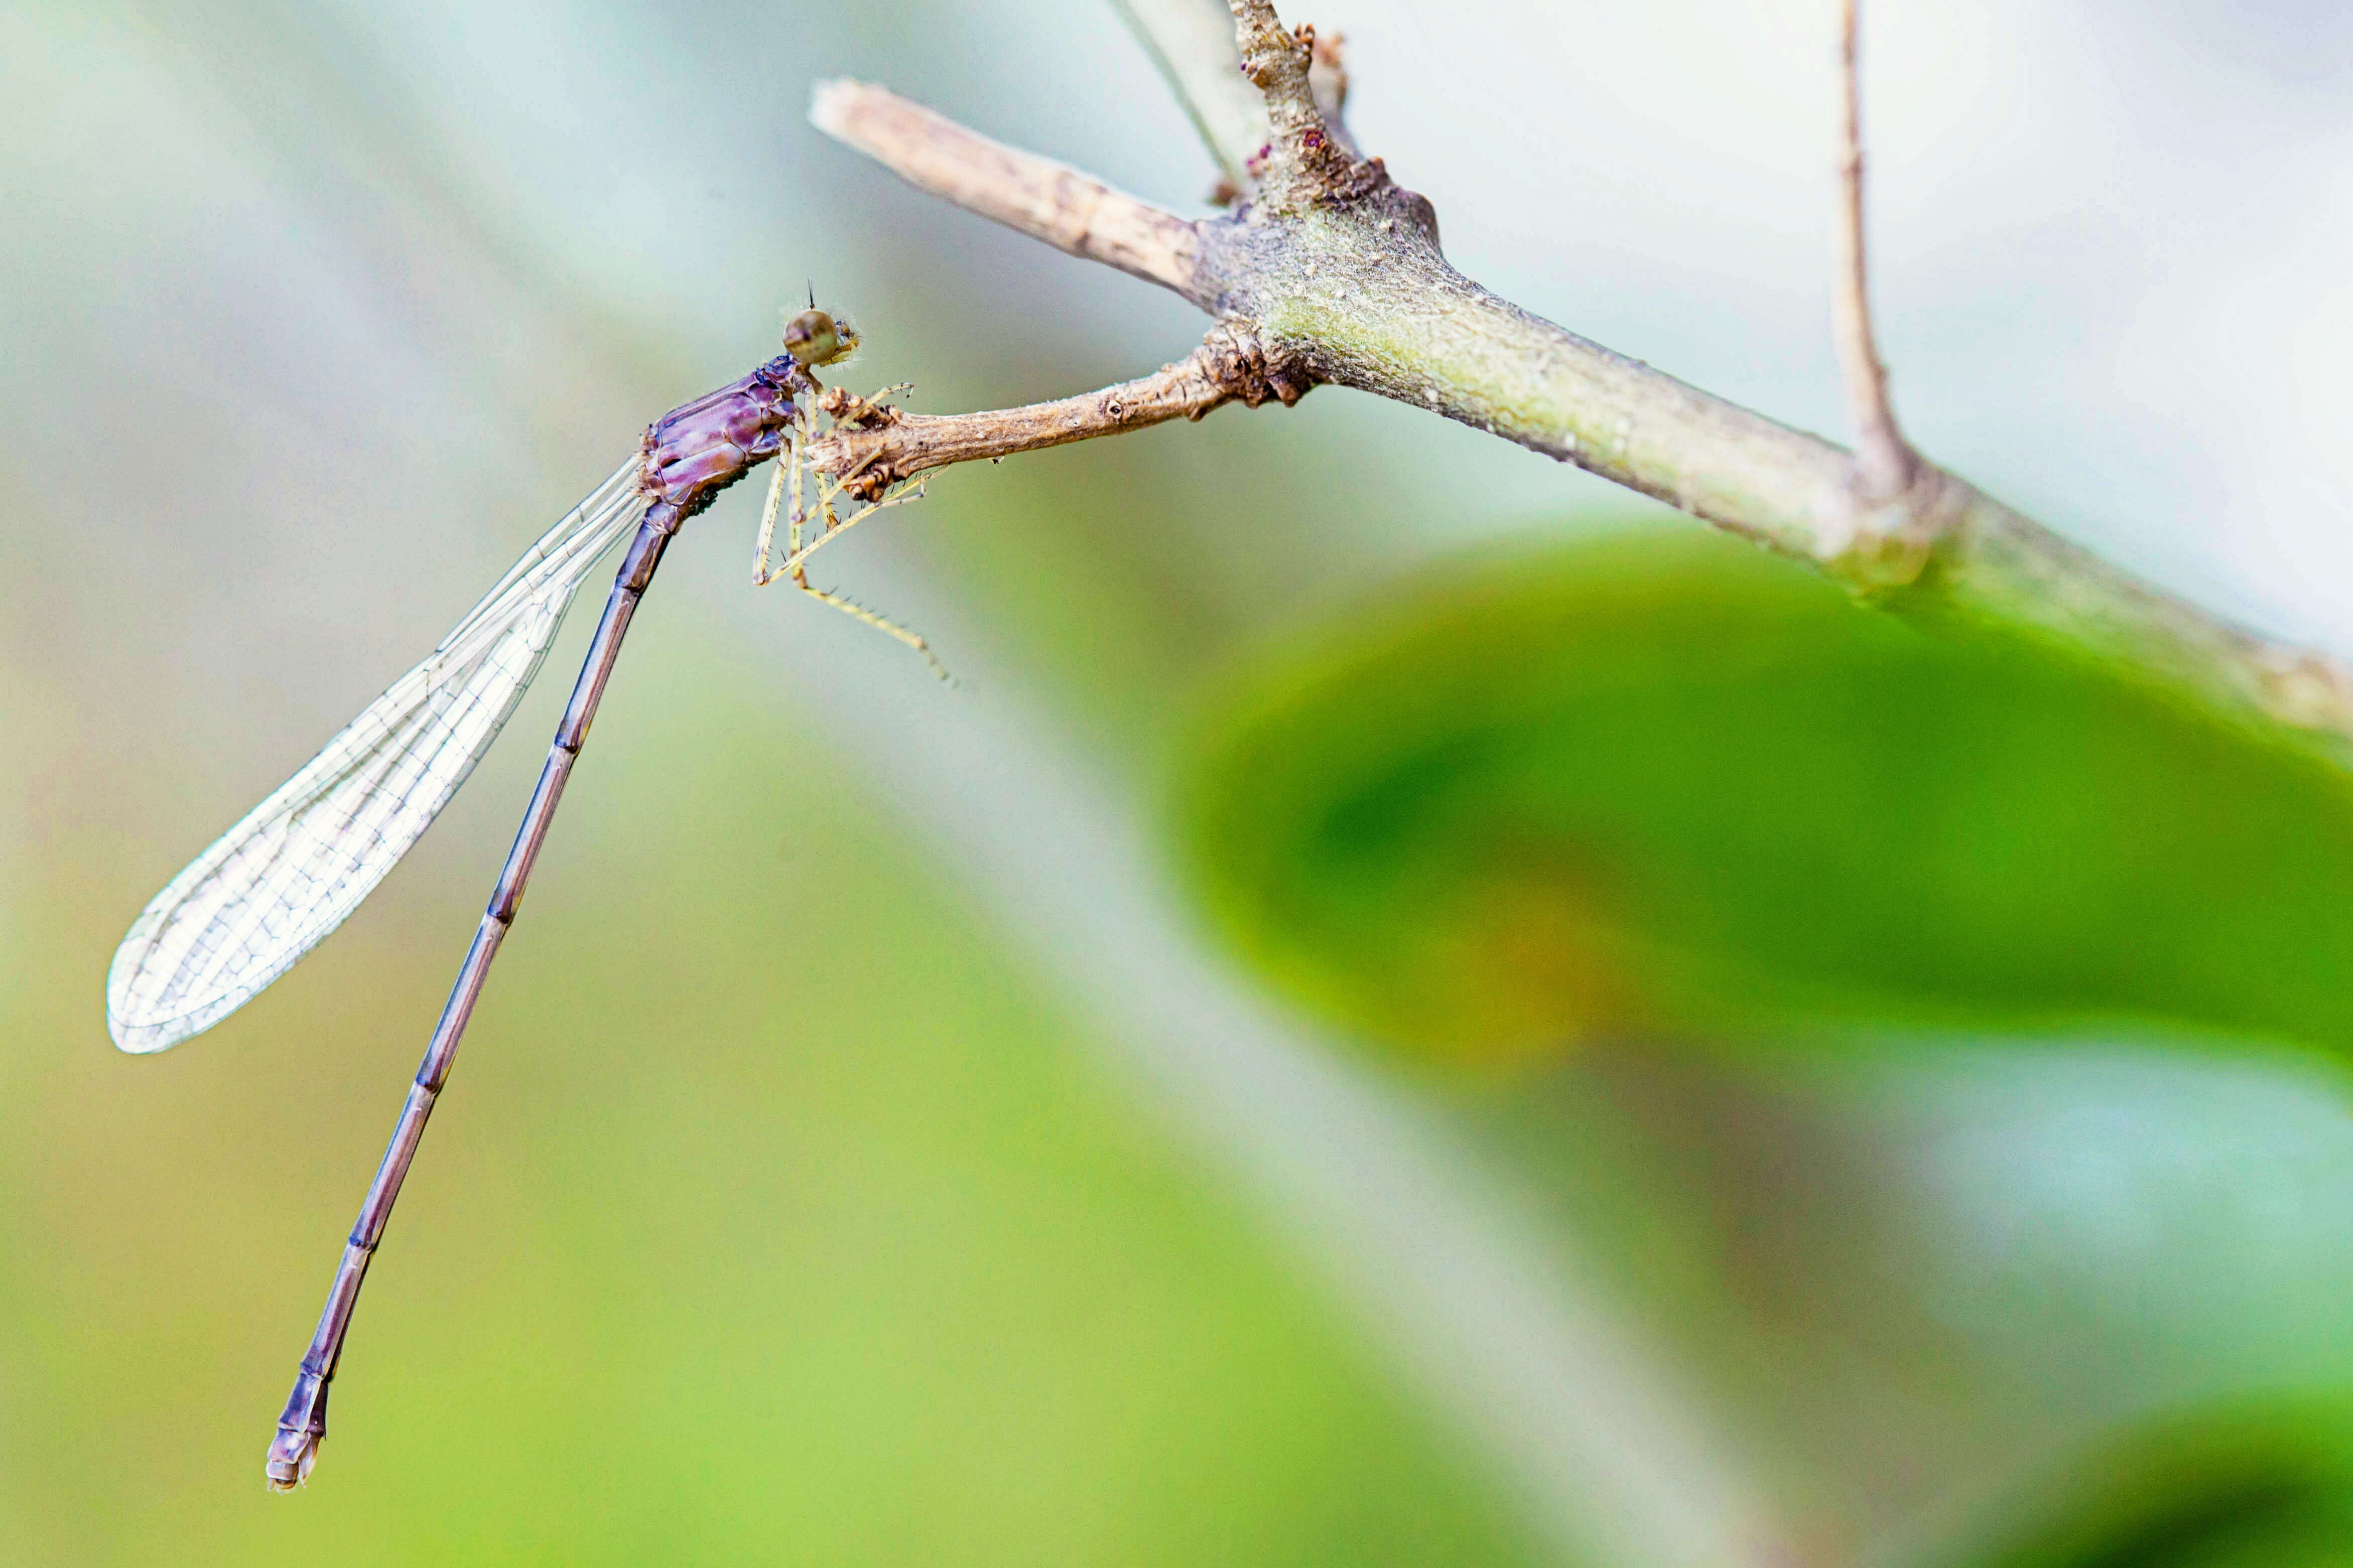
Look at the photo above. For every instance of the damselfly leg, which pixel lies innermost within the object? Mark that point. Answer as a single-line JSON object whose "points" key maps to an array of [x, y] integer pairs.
{"points": [[784, 485]]}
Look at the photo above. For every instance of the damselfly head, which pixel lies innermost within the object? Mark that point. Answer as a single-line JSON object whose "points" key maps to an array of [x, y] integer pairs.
{"points": [[815, 338]]}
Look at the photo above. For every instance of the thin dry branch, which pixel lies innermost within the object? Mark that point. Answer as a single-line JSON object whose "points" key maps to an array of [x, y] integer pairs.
{"points": [[1333, 274], [883, 446], [1885, 463], [1044, 199]]}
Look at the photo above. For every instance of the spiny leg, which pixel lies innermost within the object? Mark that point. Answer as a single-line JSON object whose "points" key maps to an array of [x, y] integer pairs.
{"points": [[761, 575], [792, 460], [788, 461], [797, 552], [795, 566], [888, 628], [793, 540], [835, 527]]}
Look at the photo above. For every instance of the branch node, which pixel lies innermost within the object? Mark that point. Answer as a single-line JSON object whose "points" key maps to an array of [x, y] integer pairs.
{"points": [[2307, 689], [1246, 371], [1879, 543]]}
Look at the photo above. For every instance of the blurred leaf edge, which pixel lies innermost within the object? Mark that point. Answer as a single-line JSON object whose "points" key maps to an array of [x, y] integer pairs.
{"points": [[1652, 780]]}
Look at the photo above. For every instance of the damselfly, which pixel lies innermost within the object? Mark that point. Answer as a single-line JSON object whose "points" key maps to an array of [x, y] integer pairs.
{"points": [[273, 886]]}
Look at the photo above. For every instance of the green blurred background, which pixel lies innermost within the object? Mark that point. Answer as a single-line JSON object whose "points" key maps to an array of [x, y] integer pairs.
{"points": [[952, 1197]]}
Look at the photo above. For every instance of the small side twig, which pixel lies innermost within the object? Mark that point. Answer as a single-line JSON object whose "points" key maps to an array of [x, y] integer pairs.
{"points": [[1303, 159], [1885, 462]]}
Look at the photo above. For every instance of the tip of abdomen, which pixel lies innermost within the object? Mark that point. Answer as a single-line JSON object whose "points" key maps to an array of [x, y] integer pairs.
{"points": [[300, 1432]]}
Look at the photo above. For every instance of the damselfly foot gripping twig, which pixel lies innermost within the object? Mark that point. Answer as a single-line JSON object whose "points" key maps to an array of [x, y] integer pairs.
{"points": [[845, 408]]}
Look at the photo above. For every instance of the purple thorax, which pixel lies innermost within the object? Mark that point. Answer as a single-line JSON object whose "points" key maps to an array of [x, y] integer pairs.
{"points": [[698, 449]]}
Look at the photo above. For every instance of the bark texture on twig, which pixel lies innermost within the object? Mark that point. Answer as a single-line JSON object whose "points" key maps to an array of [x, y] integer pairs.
{"points": [[884, 446], [1332, 272], [1302, 161], [1037, 195]]}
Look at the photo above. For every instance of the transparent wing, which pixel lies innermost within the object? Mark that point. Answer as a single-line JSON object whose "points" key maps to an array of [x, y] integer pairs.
{"points": [[278, 882]]}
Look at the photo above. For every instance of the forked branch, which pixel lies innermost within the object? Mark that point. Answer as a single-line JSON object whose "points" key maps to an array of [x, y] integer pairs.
{"points": [[1327, 270]]}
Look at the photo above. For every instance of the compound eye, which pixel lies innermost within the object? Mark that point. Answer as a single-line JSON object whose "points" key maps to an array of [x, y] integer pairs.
{"points": [[813, 338]]}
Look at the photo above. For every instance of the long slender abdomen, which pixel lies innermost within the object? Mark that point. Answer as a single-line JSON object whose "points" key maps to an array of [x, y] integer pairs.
{"points": [[303, 1424]]}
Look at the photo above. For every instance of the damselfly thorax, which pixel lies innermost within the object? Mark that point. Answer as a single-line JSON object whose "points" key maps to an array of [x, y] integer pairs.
{"points": [[698, 449]]}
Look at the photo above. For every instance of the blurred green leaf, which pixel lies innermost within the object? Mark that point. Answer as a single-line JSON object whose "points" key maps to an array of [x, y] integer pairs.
{"points": [[1663, 779], [2250, 1486]]}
